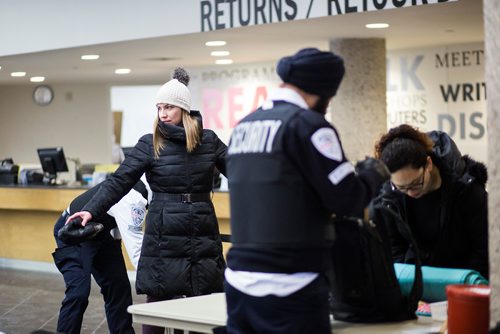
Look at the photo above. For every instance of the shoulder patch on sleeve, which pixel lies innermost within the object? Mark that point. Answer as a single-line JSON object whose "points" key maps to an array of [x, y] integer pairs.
{"points": [[326, 142], [339, 173]]}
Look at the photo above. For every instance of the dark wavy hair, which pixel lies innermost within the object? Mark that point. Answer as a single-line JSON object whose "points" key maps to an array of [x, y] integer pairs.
{"points": [[403, 146]]}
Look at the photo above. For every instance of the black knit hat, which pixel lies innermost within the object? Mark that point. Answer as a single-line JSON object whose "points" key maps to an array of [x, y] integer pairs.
{"points": [[314, 71]]}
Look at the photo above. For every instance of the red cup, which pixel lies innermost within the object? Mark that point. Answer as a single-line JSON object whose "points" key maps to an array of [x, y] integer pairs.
{"points": [[468, 308]]}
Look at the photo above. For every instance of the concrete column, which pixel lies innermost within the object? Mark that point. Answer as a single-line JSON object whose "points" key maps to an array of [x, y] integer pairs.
{"points": [[359, 110], [491, 10]]}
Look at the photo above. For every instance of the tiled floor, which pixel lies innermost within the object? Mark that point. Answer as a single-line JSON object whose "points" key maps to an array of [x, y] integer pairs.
{"points": [[30, 301]]}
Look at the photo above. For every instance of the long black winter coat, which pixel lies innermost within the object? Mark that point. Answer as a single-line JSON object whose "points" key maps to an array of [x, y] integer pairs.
{"points": [[182, 250], [461, 239]]}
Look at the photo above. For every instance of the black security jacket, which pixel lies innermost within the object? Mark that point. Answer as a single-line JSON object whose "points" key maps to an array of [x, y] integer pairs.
{"points": [[284, 190], [182, 251], [461, 239]]}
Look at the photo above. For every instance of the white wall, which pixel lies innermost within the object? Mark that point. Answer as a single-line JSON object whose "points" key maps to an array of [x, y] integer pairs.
{"points": [[79, 119], [137, 103]]}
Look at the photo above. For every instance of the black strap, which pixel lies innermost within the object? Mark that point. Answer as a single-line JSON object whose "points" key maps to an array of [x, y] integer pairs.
{"points": [[404, 230], [141, 188], [183, 198]]}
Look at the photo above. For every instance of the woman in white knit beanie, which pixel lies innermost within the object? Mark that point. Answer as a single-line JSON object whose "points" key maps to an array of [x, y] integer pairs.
{"points": [[181, 254], [173, 102]]}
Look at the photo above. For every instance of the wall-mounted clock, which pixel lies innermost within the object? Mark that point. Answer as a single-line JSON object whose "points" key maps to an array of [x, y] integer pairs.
{"points": [[43, 95]]}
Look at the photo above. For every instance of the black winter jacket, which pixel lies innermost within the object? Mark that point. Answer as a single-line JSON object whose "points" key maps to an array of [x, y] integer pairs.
{"points": [[182, 250], [461, 239]]}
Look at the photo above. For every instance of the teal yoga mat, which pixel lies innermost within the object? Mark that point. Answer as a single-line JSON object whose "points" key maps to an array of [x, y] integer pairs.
{"points": [[435, 280]]}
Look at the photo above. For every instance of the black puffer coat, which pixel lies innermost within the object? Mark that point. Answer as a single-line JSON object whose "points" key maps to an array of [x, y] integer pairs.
{"points": [[461, 239], [182, 250]]}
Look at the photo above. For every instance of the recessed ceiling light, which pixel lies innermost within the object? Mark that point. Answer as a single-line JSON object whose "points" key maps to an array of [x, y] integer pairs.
{"points": [[219, 53], [0, 67], [377, 25], [37, 79], [90, 57], [122, 71], [18, 74], [215, 43], [224, 61]]}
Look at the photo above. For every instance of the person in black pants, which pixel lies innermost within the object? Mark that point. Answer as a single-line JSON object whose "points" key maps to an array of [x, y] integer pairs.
{"points": [[102, 258]]}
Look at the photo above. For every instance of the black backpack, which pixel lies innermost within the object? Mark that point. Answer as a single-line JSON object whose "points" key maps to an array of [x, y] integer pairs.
{"points": [[364, 287]]}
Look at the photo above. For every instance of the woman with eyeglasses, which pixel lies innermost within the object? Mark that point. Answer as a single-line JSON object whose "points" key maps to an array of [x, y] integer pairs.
{"points": [[440, 194]]}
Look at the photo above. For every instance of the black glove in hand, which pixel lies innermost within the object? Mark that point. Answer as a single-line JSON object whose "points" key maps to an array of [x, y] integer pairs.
{"points": [[74, 233], [374, 172]]}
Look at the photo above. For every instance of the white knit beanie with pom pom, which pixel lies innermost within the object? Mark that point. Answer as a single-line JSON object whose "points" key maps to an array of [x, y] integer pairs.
{"points": [[175, 91]]}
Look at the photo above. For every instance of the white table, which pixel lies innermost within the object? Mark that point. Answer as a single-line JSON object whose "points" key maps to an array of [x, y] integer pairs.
{"points": [[199, 314], [203, 313]]}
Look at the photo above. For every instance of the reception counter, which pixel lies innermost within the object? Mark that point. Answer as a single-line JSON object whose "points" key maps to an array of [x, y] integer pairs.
{"points": [[28, 215]]}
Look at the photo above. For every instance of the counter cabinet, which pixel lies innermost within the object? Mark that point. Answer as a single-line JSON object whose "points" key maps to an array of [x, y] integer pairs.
{"points": [[28, 215]]}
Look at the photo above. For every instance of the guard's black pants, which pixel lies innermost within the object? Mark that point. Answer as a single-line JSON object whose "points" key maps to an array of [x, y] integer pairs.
{"points": [[102, 258], [303, 312]]}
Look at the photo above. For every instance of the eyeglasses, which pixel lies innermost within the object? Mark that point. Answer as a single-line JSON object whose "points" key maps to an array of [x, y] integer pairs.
{"points": [[415, 185]]}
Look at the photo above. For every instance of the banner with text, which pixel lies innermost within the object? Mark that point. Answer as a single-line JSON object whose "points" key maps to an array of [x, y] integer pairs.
{"points": [[226, 95], [440, 88]]}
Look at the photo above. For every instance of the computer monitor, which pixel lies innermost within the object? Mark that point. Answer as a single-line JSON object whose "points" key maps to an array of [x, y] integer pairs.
{"points": [[53, 161]]}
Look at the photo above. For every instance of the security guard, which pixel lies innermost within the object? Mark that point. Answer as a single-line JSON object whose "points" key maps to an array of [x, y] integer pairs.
{"points": [[287, 175], [102, 258]]}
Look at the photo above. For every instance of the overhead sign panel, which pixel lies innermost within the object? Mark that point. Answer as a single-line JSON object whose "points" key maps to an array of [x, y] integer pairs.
{"points": [[224, 14]]}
